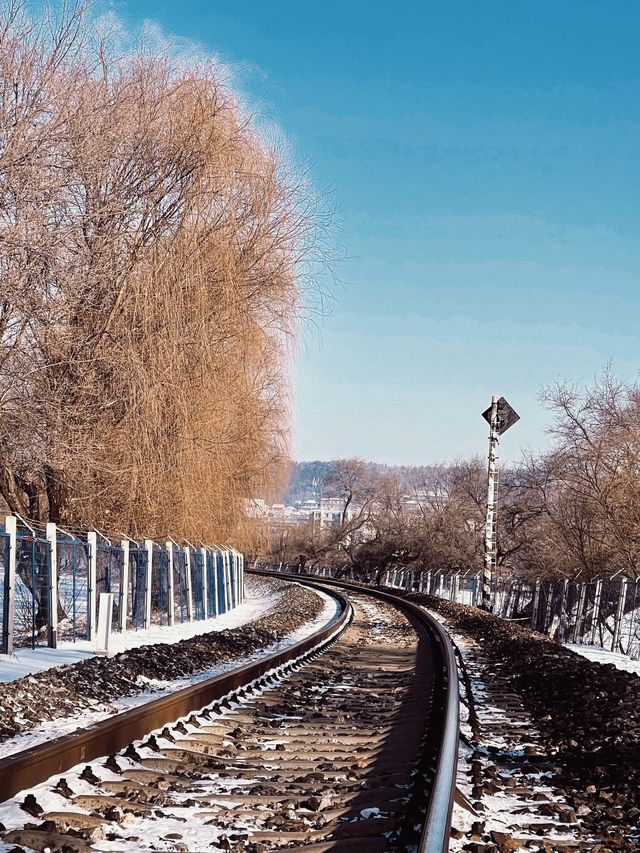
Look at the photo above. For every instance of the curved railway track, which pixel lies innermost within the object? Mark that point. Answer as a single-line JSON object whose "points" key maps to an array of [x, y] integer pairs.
{"points": [[345, 742]]}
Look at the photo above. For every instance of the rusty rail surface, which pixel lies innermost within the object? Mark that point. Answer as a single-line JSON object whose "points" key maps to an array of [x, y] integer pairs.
{"points": [[32, 766], [444, 724]]}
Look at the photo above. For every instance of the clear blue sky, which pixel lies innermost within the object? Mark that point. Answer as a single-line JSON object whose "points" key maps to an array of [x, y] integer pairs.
{"points": [[485, 162]]}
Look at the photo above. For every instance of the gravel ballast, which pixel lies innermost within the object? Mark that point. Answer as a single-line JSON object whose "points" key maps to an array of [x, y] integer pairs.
{"points": [[587, 714], [64, 691]]}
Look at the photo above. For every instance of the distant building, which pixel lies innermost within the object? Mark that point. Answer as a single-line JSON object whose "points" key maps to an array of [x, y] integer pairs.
{"points": [[322, 514]]}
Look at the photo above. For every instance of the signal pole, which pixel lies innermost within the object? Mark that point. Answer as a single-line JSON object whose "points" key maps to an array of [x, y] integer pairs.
{"points": [[500, 417]]}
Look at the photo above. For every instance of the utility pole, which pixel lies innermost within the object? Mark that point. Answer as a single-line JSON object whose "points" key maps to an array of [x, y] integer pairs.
{"points": [[500, 416]]}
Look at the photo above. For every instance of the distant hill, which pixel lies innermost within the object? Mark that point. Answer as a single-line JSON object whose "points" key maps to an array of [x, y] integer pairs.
{"points": [[303, 474]]}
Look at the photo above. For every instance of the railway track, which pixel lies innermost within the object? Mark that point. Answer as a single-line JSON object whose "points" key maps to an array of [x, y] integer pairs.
{"points": [[346, 742]]}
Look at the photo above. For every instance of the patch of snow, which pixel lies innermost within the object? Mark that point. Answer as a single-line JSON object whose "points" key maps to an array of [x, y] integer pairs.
{"points": [[157, 689], [27, 661], [600, 655]]}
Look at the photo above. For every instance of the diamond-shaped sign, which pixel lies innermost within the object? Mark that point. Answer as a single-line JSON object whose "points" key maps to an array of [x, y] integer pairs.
{"points": [[507, 416]]}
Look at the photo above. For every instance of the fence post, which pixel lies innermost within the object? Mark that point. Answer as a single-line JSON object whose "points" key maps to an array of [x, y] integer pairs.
{"points": [[232, 577], [548, 615], [579, 612], [595, 614], [92, 542], [214, 562], [52, 627], [562, 623], [619, 614], [205, 584], [187, 568], [241, 581], [123, 595], [632, 620], [454, 586], [170, 592], [227, 579], [11, 529], [148, 579], [534, 605]]}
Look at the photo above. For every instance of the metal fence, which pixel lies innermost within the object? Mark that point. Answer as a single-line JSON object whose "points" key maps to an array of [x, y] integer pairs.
{"points": [[603, 612], [51, 580]]}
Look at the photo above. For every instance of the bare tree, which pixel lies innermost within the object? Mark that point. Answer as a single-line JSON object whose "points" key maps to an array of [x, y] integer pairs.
{"points": [[152, 248]]}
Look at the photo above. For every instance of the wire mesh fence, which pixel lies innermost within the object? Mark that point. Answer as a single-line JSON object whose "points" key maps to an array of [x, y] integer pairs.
{"points": [[109, 569], [601, 612], [51, 581]]}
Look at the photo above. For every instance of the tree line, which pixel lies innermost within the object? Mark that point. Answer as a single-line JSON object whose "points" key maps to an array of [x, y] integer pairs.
{"points": [[572, 511], [153, 246]]}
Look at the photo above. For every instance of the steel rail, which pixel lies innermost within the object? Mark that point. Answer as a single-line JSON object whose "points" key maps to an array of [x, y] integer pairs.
{"points": [[445, 717], [23, 770]]}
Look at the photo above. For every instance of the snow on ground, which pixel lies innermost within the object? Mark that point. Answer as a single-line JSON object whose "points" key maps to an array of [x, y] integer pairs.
{"points": [[27, 661], [157, 688], [600, 655]]}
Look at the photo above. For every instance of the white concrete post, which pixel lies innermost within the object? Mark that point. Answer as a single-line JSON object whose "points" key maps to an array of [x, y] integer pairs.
{"points": [[205, 583], [477, 590], [563, 611], [148, 579], [103, 630], [595, 613], [548, 614], [92, 542], [241, 586], [223, 555], [454, 586], [123, 597], [187, 568], [170, 592], [227, 579], [52, 627], [234, 585], [619, 614], [216, 605], [534, 606], [11, 529], [579, 612]]}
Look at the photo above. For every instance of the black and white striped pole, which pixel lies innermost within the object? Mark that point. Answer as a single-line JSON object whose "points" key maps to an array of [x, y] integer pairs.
{"points": [[500, 416]]}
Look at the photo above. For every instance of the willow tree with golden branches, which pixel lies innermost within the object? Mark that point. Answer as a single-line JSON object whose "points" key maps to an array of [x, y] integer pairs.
{"points": [[152, 245]]}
